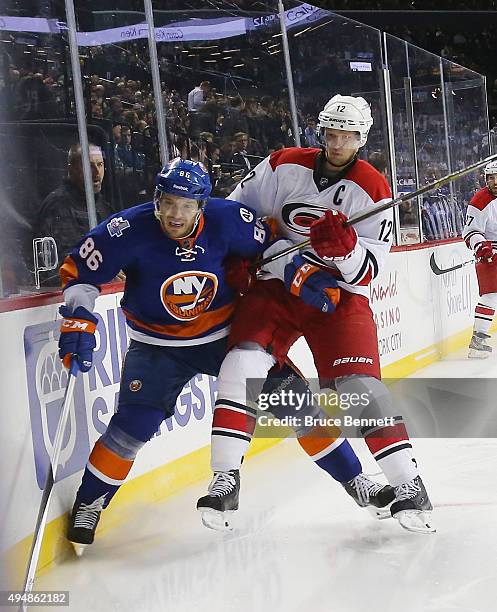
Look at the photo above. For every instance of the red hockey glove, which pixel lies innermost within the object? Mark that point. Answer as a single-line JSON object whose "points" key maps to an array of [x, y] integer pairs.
{"points": [[330, 239], [484, 250], [238, 275]]}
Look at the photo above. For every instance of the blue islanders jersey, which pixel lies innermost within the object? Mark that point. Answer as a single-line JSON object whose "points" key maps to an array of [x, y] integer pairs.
{"points": [[175, 292]]}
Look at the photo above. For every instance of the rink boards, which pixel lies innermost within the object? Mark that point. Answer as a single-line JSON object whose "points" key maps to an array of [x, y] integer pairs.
{"points": [[419, 317]]}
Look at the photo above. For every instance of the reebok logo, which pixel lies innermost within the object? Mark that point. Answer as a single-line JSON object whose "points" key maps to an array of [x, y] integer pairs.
{"points": [[344, 360], [180, 187]]}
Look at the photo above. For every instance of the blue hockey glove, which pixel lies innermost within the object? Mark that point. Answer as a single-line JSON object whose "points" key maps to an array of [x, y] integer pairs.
{"points": [[313, 285], [77, 337]]}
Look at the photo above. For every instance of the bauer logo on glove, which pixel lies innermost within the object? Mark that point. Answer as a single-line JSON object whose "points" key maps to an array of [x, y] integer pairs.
{"points": [[331, 239]]}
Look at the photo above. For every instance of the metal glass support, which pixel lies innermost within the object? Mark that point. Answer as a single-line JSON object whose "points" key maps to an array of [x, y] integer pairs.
{"points": [[447, 122], [154, 67], [387, 94], [410, 116], [80, 111], [289, 77], [490, 135], [412, 138]]}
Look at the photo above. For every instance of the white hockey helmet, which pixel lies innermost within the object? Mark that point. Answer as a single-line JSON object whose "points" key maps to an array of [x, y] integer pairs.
{"points": [[491, 168], [347, 113]]}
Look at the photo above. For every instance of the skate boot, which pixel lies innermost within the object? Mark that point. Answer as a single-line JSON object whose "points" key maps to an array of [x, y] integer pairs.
{"points": [[478, 347], [83, 523], [412, 507], [371, 495], [221, 501]]}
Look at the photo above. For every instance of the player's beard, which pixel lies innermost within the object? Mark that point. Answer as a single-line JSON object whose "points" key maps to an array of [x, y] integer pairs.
{"points": [[338, 165]]}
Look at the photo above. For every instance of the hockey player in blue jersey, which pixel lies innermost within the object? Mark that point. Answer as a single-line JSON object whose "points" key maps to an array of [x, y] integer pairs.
{"points": [[178, 309]]}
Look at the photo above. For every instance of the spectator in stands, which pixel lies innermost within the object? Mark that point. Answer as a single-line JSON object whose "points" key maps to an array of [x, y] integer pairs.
{"points": [[115, 110], [235, 119], [311, 134], [379, 161], [34, 99], [198, 96], [207, 136], [240, 157], [63, 214]]}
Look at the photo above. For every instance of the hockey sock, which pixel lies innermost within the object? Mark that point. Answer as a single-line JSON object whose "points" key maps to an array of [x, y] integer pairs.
{"points": [[327, 447], [105, 472], [234, 422], [389, 445], [484, 312], [392, 450]]}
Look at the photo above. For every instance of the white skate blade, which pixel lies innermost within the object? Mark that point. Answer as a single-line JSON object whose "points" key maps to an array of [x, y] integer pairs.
{"points": [[415, 521], [79, 549], [217, 520], [380, 514], [476, 354]]}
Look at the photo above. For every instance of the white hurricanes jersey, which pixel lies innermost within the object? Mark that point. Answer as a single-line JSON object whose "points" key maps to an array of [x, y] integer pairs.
{"points": [[481, 219], [289, 187]]}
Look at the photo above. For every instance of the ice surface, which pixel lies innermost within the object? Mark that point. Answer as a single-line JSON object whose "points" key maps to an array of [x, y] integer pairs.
{"points": [[301, 544]]}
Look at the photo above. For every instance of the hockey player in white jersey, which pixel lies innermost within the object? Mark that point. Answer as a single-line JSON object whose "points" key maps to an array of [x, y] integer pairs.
{"points": [[321, 294], [480, 235]]}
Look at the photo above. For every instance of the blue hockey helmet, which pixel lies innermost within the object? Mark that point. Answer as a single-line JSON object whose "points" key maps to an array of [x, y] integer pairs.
{"points": [[184, 178]]}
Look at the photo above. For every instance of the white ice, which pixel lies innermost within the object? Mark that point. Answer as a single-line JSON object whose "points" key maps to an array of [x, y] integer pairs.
{"points": [[301, 544]]}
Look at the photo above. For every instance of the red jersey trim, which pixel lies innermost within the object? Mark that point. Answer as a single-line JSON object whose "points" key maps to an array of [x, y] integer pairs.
{"points": [[294, 155], [482, 198], [370, 180]]}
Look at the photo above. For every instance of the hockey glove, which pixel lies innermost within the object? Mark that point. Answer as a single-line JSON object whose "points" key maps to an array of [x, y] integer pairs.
{"points": [[238, 274], [330, 239], [77, 337], [484, 250], [313, 285]]}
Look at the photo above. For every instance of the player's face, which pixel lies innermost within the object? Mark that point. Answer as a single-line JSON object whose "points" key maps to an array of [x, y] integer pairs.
{"points": [[177, 215], [341, 146], [491, 180]]}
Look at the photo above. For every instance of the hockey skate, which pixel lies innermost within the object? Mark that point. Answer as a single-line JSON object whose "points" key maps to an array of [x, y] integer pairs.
{"points": [[83, 523], [371, 495], [412, 507], [478, 347], [221, 501]]}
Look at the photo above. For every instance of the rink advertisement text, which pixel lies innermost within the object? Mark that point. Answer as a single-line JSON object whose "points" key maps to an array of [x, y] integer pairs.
{"points": [[387, 313], [96, 394]]}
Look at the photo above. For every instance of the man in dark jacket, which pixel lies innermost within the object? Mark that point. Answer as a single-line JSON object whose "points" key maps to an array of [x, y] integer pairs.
{"points": [[63, 214]]}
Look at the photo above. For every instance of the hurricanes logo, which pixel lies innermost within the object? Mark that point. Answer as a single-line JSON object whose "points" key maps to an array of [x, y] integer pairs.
{"points": [[299, 217], [187, 295]]}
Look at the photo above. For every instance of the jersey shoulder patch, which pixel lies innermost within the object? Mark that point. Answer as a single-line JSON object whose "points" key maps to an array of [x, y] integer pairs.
{"points": [[294, 155], [482, 198], [370, 180], [130, 218]]}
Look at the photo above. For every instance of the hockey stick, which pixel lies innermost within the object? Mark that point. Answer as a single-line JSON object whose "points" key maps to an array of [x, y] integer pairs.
{"points": [[373, 210], [49, 483], [438, 271]]}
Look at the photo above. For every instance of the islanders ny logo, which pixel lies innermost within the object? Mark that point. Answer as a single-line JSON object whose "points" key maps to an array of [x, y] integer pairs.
{"points": [[187, 295]]}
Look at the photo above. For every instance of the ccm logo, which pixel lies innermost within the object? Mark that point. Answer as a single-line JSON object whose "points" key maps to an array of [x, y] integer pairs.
{"points": [[342, 360], [74, 325], [302, 274]]}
